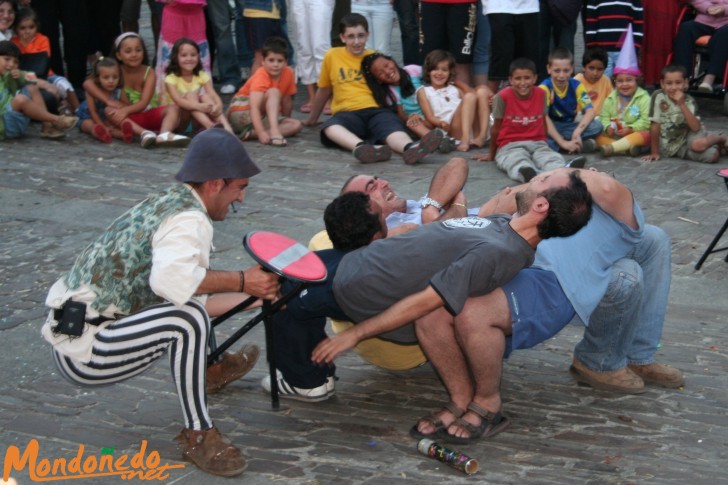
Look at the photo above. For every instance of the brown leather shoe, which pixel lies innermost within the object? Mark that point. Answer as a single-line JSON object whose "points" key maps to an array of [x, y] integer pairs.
{"points": [[659, 374], [212, 452], [621, 380], [232, 367]]}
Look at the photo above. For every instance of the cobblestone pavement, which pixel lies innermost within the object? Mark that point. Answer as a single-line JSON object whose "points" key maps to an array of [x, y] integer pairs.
{"points": [[57, 195]]}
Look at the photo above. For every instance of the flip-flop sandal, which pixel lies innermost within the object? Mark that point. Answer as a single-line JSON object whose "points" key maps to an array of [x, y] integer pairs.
{"points": [[127, 132], [436, 422], [428, 144], [490, 424], [100, 133], [278, 141], [306, 108]]}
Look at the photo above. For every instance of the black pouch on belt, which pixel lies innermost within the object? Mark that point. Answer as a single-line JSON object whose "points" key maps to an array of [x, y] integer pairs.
{"points": [[71, 318]]}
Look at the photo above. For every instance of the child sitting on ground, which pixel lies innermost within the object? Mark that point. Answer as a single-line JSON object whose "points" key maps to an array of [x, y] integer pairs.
{"points": [[597, 85], [138, 83], [188, 86], [450, 108], [567, 98], [625, 115], [30, 42], [21, 101], [518, 136], [358, 121], [106, 76], [675, 130], [267, 94]]}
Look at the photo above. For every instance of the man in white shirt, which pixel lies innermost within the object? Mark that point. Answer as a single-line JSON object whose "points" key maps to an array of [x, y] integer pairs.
{"points": [[144, 287]]}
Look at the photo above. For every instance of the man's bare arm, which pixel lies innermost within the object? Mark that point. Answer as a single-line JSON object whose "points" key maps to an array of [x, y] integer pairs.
{"points": [[404, 311]]}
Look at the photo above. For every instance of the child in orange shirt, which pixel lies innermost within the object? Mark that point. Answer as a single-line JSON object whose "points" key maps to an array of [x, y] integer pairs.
{"points": [[267, 94], [597, 85], [29, 41]]}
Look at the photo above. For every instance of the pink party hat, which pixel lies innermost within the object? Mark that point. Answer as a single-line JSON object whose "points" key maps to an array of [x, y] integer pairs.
{"points": [[627, 60]]}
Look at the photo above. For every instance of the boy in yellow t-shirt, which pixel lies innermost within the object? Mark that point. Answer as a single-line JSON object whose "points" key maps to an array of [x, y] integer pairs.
{"points": [[597, 85], [358, 123]]}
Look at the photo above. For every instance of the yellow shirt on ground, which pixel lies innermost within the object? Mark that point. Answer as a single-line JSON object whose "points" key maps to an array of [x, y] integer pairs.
{"points": [[341, 71]]}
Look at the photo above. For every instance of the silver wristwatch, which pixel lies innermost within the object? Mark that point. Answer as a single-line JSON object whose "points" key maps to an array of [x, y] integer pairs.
{"points": [[429, 201]]}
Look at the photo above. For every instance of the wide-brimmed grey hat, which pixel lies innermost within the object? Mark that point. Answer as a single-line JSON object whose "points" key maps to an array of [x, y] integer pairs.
{"points": [[216, 154]]}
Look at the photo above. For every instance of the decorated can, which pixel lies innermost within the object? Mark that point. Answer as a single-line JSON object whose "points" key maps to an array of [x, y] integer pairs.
{"points": [[453, 458]]}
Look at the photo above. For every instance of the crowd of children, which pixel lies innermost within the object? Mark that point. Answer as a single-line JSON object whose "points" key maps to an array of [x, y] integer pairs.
{"points": [[377, 106]]}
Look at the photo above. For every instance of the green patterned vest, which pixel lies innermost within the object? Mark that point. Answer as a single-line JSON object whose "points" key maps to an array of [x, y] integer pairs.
{"points": [[118, 264]]}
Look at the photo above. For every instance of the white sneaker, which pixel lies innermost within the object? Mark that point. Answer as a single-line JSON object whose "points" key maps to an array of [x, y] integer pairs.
{"points": [[227, 89], [316, 394]]}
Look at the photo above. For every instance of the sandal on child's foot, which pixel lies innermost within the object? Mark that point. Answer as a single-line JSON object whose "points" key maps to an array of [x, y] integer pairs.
{"points": [[148, 139], [169, 139], [100, 133], [278, 141], [127, 131]]}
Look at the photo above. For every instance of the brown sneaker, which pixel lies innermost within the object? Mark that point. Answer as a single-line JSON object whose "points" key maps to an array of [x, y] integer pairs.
{"points": [[212, 452], [659, 374], [621, 380], [232, 367], [65, 123]]}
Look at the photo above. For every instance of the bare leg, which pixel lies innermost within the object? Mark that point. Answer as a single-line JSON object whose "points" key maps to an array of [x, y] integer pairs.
{"points": [[290, 126], [480, 79], [462, 73], [482, 94], [342, 137], [481, 329], [257, 61], [436, 335], [467, 115], [703, 143], [33, 107], [272, 103], [398, 140], [171, 118]]}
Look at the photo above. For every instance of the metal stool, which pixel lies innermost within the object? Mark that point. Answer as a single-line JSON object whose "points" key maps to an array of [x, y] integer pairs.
{"points": [[288, 259], [721, 173]]}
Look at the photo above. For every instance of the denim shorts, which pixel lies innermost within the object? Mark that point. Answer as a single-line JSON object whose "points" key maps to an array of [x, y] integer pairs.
{"points": [[15, 123], [539, 308], [372, 124]]}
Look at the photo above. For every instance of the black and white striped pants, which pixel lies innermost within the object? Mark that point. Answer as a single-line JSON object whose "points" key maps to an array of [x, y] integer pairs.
{"points": [[129, 346]]}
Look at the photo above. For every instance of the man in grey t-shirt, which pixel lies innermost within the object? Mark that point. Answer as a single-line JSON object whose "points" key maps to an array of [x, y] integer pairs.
{"points": [[464, 258]]}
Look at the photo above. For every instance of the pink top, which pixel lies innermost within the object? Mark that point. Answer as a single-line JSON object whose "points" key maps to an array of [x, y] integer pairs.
{"points": [[703, 17]]}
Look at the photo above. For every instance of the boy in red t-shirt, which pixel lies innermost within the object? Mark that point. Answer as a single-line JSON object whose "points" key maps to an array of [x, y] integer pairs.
{"points": [[518, 136], [267, 94]]}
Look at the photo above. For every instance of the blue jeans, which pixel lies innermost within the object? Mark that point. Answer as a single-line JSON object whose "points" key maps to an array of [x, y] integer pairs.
{"points": [[221, 20], [481, 52], [626, 326], [566, 129]]}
